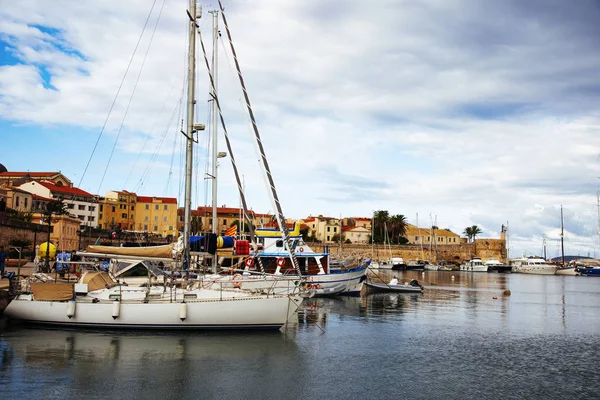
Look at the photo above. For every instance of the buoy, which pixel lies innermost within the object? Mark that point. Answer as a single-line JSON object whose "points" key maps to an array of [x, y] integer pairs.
{"points": [[116, 309], [423, 273], [494, 297], [182, 311], [507, 292], [71, 309], [467, 285]]}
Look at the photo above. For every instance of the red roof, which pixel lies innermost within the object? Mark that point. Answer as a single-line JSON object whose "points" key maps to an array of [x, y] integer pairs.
{"points": [[309, 219], [39, 174], [36, 197], [362, 219], [64, 189], [164, 200]]}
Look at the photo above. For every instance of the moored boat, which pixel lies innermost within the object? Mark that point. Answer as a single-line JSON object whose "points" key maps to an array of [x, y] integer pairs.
{"points": [[474, 265], [412, 287], [533, 265]]}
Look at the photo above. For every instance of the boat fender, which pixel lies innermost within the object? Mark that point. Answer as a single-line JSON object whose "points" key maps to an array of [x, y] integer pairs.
{"points": [[71, 309], [116, 309], [280, 262], [507, 292], [236, 280], [183, 311]]}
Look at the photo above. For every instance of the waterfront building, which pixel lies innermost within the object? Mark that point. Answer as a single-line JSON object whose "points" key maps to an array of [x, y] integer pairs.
{"points": [[18, 199], [225, 217], [427, 236], [81, 204], [117, 210], [323, 228], [155, 214], [11, 178], [356, 234]]}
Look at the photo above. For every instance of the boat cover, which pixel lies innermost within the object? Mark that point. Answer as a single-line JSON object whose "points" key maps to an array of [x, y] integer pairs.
{"points": [[165, 251], [97, 280], [52, 291]]}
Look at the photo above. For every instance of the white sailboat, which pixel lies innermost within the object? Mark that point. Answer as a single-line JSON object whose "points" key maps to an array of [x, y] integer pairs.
{"points": [[99, 301]]}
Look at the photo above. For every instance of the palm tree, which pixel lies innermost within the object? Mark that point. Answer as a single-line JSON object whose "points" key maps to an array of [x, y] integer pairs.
{"points": [[475, 231], [380, 219], [398, 226]]}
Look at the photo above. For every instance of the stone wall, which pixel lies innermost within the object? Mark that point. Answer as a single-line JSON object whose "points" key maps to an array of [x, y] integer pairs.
{"points": [[482, 248]]}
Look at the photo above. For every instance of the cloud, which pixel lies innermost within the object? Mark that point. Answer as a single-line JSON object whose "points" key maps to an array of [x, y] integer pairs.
{"points": [[477, 112]]}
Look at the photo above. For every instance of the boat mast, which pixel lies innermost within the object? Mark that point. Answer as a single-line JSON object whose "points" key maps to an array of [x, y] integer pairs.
{"points": [[189, 151], [214, 138], [562, 234], [274, 197], [420, 237], [598, 200]]}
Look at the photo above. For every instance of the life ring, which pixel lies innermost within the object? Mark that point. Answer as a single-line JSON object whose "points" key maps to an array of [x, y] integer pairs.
{"points": [[301, 249], [280, 262], [237, 281], [249, 262]]}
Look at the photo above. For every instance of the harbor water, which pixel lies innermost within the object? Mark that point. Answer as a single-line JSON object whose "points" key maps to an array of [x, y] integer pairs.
{"points": [[463, 337]]}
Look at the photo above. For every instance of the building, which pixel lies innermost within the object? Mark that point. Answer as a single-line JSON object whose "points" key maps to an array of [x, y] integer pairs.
{"points": [[81, 204], [65, 231], [156, 214], [117, 210], [357, 221], [18, 200], [8, 178], [323, 228], [427, 236], [356, 234], [226, 216]]}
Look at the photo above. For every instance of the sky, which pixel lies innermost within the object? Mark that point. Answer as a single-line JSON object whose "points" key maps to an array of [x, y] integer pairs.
{"points": [[463, 113]]}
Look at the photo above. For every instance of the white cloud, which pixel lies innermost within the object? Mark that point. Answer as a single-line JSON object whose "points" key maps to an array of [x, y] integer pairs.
{"points": [[411, 106]]}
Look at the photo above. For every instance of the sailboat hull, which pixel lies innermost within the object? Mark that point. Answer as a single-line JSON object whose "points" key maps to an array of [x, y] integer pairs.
{"points": [[247, 313]]}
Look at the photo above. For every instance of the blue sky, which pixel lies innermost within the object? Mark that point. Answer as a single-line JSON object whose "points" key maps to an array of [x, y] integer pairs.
{"points": [[477, 112]]}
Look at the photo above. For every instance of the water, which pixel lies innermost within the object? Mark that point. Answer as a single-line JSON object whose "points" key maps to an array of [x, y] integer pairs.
{"points": [[461, 338]]}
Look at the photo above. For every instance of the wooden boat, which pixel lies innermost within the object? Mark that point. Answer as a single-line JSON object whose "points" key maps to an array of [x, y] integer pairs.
{"points": [[413, 287]]}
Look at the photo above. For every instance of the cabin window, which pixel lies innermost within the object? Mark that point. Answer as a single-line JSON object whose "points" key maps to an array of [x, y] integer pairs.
{"points": [[279, 243]]}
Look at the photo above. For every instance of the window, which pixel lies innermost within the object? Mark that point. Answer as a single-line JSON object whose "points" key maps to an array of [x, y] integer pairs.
{"points": [[123, 215], [147, 206], [165, 207], [156, 219], [113, 208], [334, 229], [81, 217], [416, 238], [100, 207], [70, 206], [164, 219], [92, 208], [145, 227], [155, 228], [328, 239], [225, 222], [156, 207], [132, 208], [91, 218], [146, 218], [17, 201], [25, 202], [170, 227], [328, 230], [81, 207], [100, 216]]}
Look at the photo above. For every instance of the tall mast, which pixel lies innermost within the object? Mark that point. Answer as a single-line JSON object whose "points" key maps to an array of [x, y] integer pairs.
{"points": [[187, 206], [267, 170], [420, 237], [598, 200], [562, 234], [215, 20]]}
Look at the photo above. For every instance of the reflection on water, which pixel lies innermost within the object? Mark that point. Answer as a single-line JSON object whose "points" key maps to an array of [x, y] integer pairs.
{"points": [[460, 338]]}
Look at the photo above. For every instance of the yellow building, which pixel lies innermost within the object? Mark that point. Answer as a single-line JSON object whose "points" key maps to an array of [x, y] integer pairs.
{"points": [[428, 236], [225, 217], [156, 214], [117, 210], [65, 231]]}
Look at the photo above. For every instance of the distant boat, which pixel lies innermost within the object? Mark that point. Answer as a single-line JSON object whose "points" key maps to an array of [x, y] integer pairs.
{"points": [[533, 265], [412, 287], [590, 270], [474, 265], [495, 265]]}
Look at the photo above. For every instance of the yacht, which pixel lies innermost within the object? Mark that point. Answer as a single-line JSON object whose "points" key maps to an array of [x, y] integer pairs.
{"points": [[533, 265]]}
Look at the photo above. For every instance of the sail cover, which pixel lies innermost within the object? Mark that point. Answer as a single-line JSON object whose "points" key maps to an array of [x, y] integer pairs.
{"points": [[165, 251]]}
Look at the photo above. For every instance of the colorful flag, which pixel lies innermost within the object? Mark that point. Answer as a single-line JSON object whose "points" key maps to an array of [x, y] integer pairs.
{"points": [[231, 231]]}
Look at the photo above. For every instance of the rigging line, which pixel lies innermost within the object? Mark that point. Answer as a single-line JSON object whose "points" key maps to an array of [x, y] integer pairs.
{"points": [[149, 135], [207, 154], [176, 138], [231, 156], [116, 95], [280, 217], [157, 149], [132, 95]]}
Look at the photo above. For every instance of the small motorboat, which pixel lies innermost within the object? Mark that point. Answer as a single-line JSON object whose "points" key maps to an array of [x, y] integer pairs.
{"points": [[413, 287]]}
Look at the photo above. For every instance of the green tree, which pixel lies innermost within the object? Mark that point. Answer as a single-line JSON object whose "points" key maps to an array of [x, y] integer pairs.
{"points": [[196, 224], [397, 227], [304, 233], [380, 220], [471, 232]]}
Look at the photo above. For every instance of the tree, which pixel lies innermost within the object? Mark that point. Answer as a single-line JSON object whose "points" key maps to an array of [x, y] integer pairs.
{"points": [[53, 211], [380, 220], [196, 224], [471, 232], [397, 227], [245, 228], [304, 234], [336, 238]]}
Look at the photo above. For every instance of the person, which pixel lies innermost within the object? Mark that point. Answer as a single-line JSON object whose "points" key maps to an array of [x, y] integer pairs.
{"points": [[3, 260], [394, 281]]}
